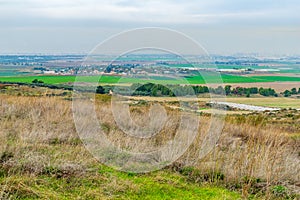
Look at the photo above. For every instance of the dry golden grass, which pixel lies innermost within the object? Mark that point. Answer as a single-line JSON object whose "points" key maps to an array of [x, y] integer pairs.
{"points": [[38, 134], [277, 102]]}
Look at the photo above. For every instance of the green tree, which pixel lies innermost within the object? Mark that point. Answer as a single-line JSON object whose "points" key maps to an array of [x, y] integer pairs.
{"points": [[254, 90], [100, 90], [287, 93], [294, 91], [154, 91], [239, 90], [227, 89], [219, 90], [271, 92], [35, 81], [248, 94]]}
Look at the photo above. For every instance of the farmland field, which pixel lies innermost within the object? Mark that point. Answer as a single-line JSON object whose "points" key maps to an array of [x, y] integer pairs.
{"points": [[207, 78]]}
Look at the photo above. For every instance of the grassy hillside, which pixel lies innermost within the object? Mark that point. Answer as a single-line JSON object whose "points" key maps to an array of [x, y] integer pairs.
{"points": [[42, 157]]}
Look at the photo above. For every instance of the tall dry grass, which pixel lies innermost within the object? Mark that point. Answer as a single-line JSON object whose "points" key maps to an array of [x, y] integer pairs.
{"points": [[38, 134]]}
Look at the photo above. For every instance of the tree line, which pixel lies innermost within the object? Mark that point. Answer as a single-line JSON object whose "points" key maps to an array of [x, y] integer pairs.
{"points": [[151, 89], [291, 92]]}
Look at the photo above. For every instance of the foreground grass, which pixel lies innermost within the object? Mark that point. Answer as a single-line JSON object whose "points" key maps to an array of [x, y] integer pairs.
{"points": [[106, 183], [41, 156]]}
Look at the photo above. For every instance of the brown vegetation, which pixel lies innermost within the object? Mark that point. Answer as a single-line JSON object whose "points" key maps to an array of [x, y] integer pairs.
{"points": [[253, 155]]}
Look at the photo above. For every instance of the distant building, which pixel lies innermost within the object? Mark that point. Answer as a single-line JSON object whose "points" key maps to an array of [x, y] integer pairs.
{"points": [[49, 72]]}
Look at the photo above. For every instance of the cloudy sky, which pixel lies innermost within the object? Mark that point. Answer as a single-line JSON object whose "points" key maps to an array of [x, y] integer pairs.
{"points": [[221, 26]]}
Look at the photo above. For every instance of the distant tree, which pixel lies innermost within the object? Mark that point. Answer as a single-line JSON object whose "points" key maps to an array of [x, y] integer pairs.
{"points": [[239, 91], [261, 91], [108, 69], [294, 91], [266, 92], [248, 94], [254, 90], [100, 90], [271, 92], [227, 89], [287, 93], [220, 90], [35, 81], [299, 91], [154, 91]]}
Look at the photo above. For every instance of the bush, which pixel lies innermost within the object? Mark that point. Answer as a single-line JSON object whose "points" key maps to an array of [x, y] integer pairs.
{"points": [[36, 81], [100, 90], [279, 190]]}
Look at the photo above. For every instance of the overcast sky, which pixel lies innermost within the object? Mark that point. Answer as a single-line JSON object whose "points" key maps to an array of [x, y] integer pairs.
{"points": [[221, 26]]}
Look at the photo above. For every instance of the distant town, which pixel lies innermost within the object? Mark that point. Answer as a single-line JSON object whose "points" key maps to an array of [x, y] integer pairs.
{"points": [[68, 65]]}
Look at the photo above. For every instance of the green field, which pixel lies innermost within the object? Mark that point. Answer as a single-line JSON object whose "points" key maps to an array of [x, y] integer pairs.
{"points": [[106, 183], [206, 78], [276, 78]]}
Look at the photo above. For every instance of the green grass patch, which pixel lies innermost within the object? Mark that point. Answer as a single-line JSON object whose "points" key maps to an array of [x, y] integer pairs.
{"points": [[107, 183]]}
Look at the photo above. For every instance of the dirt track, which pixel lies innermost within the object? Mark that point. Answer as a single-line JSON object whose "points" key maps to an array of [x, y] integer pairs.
{"points": [[245, 106]]}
